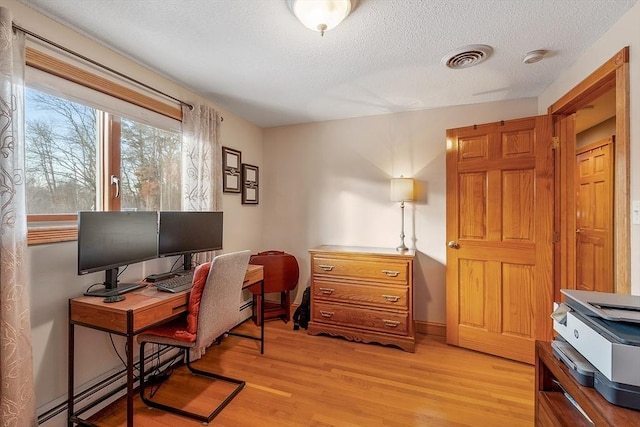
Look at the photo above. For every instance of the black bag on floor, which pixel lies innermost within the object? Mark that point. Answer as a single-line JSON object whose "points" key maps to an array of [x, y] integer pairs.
{"points": [[303, 313]]}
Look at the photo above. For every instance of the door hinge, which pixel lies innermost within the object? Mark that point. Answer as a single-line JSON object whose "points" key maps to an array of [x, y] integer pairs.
{"points": [[555, 237], [555, 143]]}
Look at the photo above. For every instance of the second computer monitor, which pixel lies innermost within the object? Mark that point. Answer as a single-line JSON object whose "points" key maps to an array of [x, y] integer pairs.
{"points": [[185, 233]]}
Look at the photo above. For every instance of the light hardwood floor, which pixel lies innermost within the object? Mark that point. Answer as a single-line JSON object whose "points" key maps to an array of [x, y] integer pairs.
{"points": [[304, 380]]}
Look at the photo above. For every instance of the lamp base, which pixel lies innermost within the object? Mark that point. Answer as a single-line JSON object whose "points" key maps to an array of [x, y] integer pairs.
{"points": [[402, 247]]}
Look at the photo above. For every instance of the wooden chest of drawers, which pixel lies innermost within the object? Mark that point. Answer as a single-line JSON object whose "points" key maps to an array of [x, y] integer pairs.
{"points": [[363, 294]]}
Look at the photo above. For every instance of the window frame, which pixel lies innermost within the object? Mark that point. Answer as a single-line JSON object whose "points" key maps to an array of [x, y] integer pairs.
{"points": [[52, 228]]}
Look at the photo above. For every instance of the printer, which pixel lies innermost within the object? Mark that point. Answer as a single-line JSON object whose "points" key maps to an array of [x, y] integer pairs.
{"points": [[600, 342]]}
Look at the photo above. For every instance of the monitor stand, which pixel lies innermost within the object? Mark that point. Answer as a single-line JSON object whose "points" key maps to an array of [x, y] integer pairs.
{"points": [[119, 290], [112, 287]]}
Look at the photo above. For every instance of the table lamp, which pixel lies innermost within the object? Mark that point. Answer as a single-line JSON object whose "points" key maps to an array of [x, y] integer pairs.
{"points": [[402, 191]]}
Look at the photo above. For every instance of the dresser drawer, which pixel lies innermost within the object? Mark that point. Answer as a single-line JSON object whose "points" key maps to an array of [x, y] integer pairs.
{"points": [[362, 318], [395, 297], [392, 271]]}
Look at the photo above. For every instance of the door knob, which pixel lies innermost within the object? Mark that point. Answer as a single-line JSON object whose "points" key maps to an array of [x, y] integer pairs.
{"points": [[453, 244]]}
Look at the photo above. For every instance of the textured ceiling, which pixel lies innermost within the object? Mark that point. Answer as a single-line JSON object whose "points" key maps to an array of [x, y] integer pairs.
{"points": [[254, 58]]}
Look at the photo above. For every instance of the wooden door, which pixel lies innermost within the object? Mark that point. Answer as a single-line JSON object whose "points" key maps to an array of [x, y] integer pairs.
{"points": [[499, 229], [594, 217]]}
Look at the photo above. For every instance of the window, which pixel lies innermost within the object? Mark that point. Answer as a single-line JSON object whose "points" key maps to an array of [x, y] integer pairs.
{"points": [[60, 154], [89, 151], [150, 168]]}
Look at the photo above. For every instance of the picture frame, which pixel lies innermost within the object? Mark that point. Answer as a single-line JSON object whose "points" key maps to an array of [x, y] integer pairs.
{"points": [[231, 179], [250, 184]]}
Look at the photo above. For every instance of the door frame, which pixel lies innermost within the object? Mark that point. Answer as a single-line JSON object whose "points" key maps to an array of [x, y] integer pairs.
{"points": [[613, 74]]}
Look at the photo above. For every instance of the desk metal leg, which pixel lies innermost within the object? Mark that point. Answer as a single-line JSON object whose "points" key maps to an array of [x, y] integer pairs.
{"points": [[260, 320], [70, 378], [129, 368], [262, 317]]}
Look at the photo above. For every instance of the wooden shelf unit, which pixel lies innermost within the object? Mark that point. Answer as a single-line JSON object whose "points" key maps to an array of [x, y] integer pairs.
{"points": [[363, 294], [554, 409]]}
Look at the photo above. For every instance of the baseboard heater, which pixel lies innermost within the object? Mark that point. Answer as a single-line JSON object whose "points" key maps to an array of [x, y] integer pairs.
{"points": [[106, 384]]}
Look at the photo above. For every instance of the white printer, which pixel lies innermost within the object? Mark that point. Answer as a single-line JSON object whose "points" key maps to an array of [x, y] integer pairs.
{"points": [[604, 328]]}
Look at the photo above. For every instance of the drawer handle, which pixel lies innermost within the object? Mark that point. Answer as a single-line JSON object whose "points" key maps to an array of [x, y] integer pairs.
{"points": [[390, 323], [391, 298], [327, 314], [390, 273], [326, 291], [325, 267]]}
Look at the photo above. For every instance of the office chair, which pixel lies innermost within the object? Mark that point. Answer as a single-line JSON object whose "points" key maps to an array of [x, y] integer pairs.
{"points": [[281, 274], [214, 305]]}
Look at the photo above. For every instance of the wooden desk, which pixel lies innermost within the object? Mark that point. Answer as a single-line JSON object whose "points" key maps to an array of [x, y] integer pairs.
{"points": [[554, 409], [141, 310]]}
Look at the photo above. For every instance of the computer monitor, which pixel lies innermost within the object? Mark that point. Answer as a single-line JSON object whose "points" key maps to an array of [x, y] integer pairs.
{"points": [[185, 233], [108, 240]]}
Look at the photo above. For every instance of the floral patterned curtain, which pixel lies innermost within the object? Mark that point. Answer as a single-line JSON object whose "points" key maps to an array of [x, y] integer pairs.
{"points": [[201, 160], [201, 168], [17, 393]]}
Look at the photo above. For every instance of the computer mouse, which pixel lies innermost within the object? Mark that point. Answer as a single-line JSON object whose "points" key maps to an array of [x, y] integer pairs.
{"points": [[114, 298]]}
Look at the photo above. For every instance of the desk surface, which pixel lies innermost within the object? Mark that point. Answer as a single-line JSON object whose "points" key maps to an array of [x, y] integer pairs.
{"points": [[552, 405], [143, 307]]}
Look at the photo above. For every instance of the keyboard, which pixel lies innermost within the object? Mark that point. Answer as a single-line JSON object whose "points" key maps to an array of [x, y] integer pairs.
{"points": [[175, 284]]}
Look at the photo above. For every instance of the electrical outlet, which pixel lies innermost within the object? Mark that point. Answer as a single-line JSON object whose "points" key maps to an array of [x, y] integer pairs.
{"points": [[635, 212]]}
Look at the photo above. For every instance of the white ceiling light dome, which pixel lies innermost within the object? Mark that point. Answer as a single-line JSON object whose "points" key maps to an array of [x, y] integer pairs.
{"points": [[321, 15]]}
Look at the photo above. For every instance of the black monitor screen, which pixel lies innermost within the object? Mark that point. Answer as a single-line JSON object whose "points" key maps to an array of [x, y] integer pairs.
{"points": [[108, 240], [189, 232]]}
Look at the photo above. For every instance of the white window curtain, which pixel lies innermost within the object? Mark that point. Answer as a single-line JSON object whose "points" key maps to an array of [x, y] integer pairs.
{"points": [[201, 169], [201, 159], [201, 162], [17, 395]]}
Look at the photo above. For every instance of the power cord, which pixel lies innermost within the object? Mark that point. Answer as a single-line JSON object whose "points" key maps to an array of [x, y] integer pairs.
{"points": [[174, 263], [157, 376], [126, 349], [123, 270]]}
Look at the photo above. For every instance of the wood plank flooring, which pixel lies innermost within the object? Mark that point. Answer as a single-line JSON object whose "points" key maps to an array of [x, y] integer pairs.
{"points": [[304, 380]]}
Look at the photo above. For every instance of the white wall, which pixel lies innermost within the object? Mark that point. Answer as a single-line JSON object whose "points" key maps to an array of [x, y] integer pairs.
{"points": [[52, 268], [328, 183], [626, 32]]}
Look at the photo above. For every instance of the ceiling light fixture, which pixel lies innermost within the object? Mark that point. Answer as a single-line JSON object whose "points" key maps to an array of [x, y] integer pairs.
{"points": [[321, 15]]}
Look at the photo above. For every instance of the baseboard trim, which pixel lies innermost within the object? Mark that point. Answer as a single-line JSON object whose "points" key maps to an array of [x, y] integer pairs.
{"points": [[431, 328]]}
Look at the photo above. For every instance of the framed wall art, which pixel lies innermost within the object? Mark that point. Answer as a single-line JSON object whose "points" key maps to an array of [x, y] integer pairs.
{"points": [[231, 161], [250, 187]]}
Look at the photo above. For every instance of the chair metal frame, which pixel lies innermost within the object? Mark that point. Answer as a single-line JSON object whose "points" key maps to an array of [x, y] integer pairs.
{"points": [[206, 419]]}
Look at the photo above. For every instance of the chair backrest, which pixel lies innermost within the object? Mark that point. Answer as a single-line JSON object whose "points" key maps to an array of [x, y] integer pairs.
{"points": [[221, 296]]}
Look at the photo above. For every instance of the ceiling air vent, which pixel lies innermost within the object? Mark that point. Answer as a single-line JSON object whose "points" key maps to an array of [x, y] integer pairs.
{"points": [[467, 56]]}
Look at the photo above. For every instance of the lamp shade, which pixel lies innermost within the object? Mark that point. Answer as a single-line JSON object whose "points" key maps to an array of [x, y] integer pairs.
{"points": [[321, 15], [402, 189]]}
